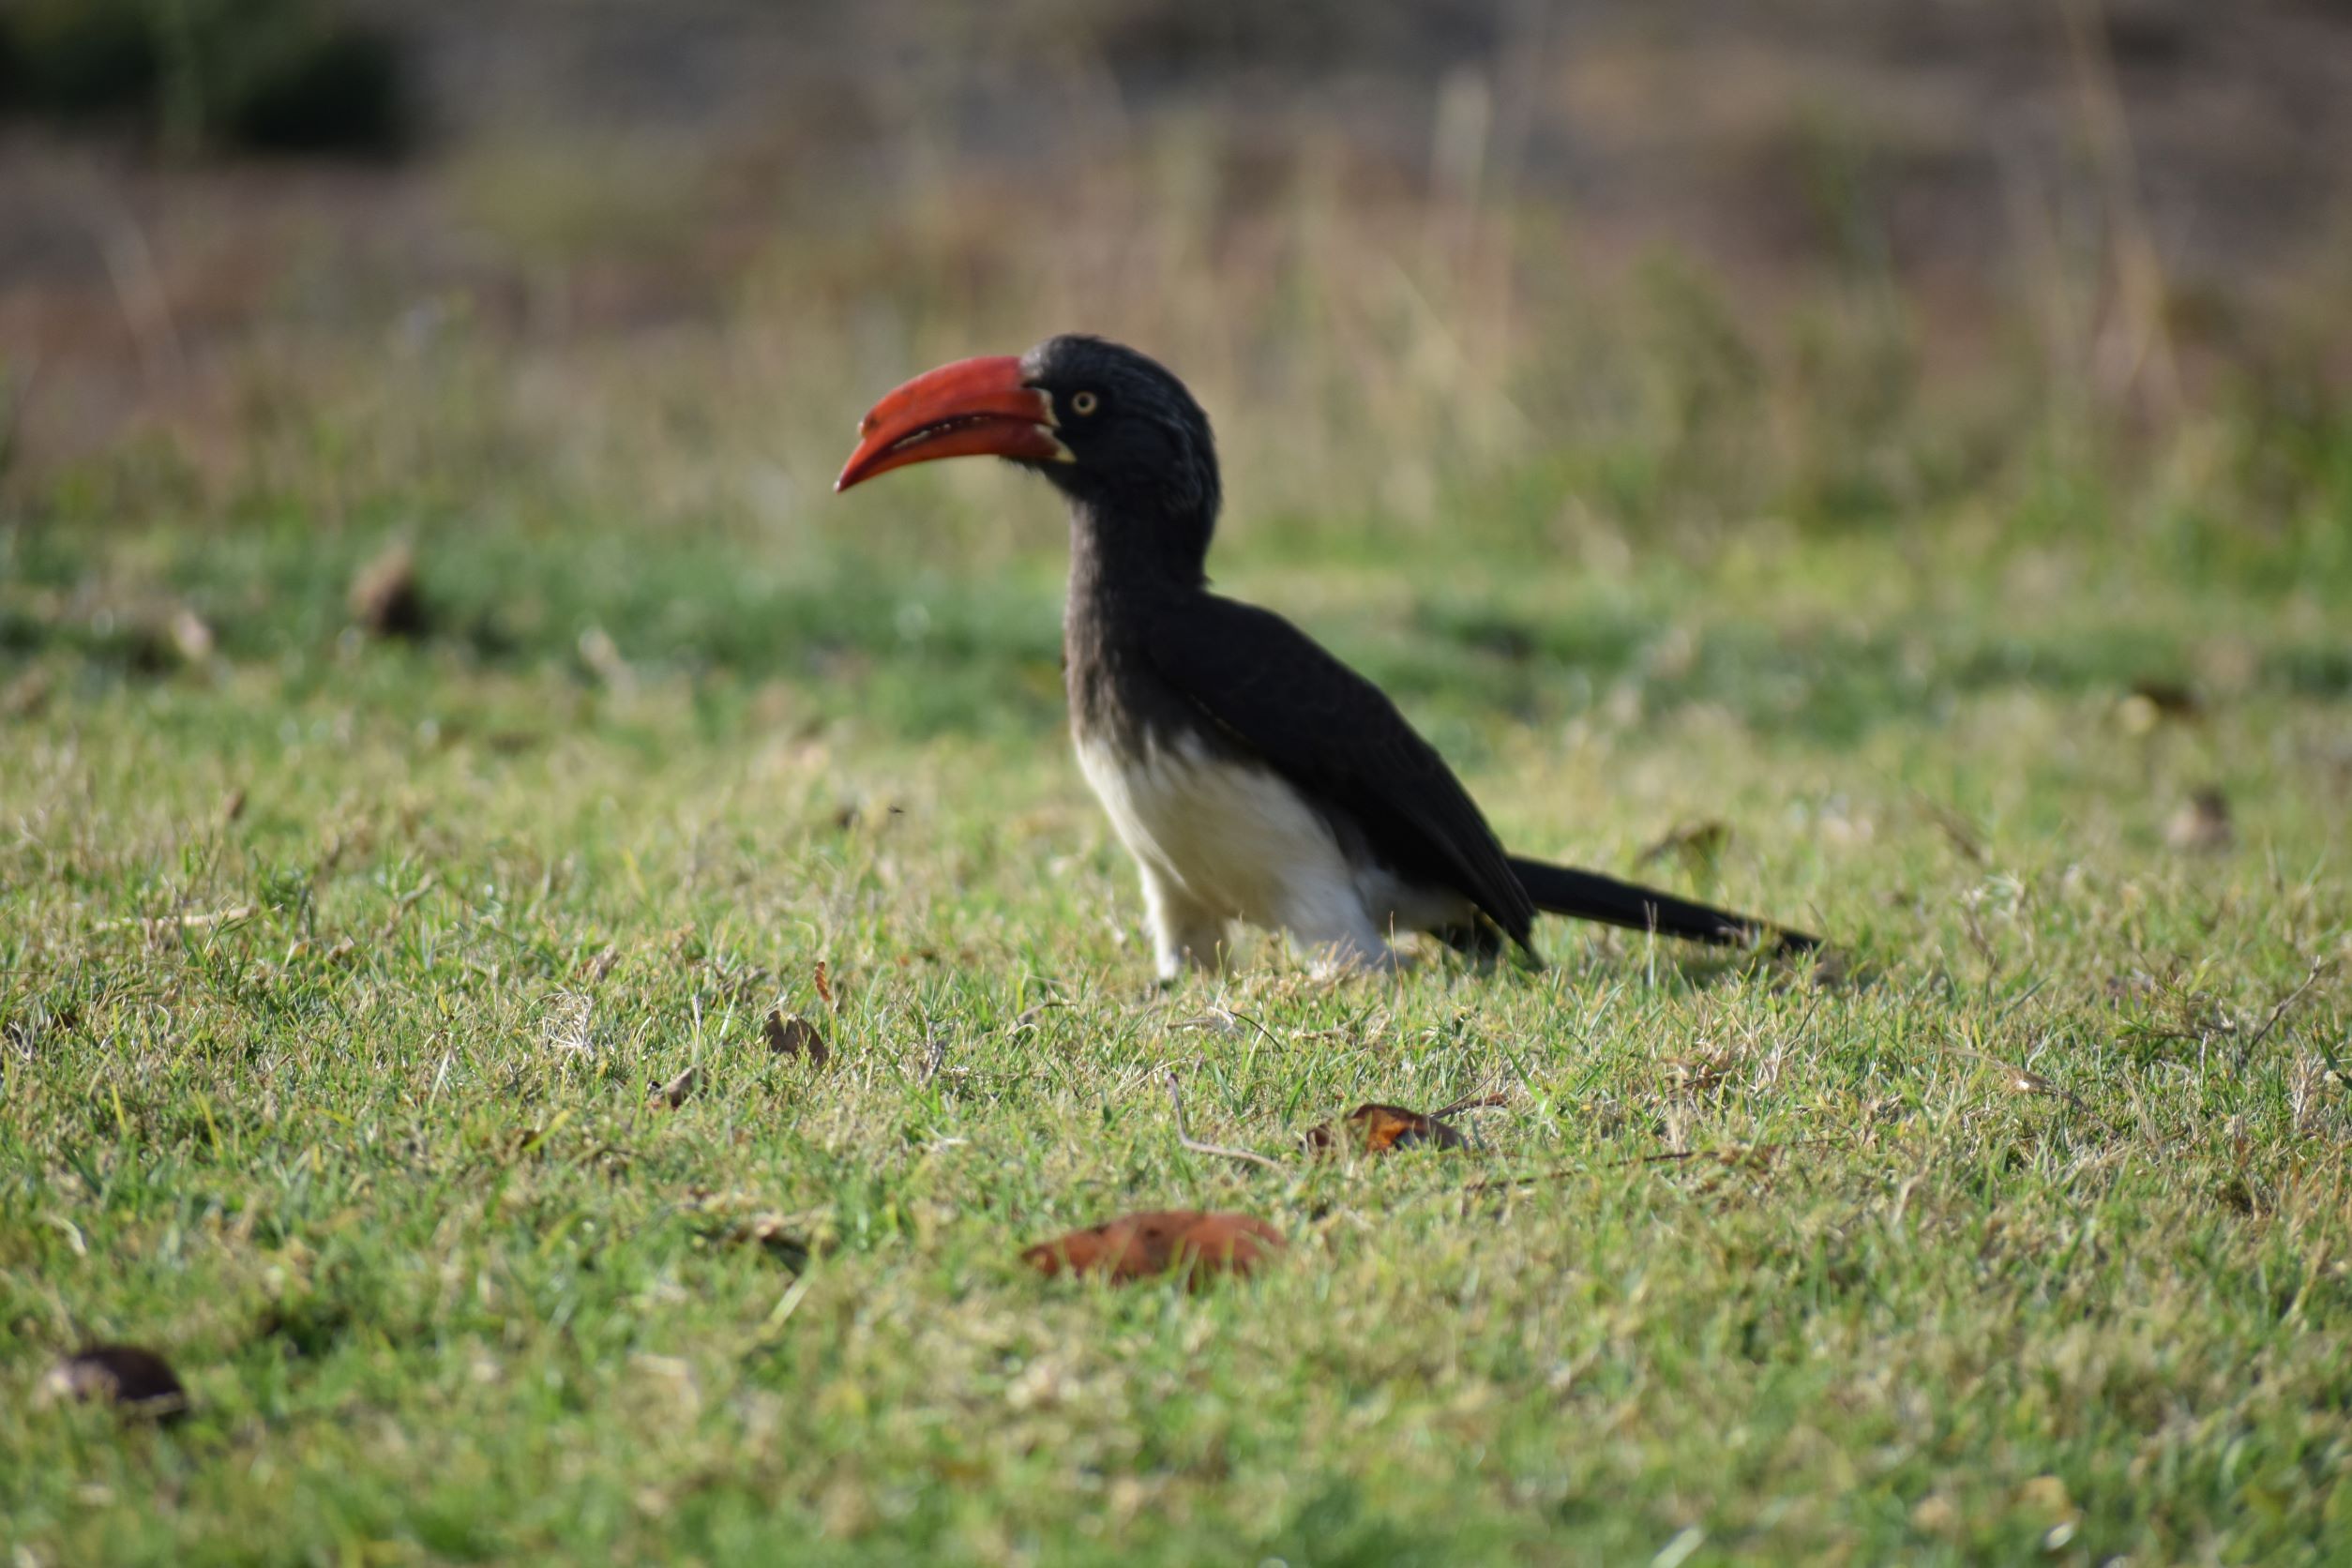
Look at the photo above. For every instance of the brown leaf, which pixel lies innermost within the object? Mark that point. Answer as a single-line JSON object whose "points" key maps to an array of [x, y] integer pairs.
{"points": [[1379, 1129], [790, 1034], [2202, 823], [1936, 1514], [772, 1234], [25, 696], [602, 657], [138, 1382], [1144, 1245], [1697, 1075], [2152, 702], [191, 641], [675, 1092], [824, 987], [385, 599], [2024, 1081], [2046, 1495]]}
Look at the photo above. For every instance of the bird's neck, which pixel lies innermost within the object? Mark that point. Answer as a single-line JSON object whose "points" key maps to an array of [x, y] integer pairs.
{"points": [[1119, 553], [1125, 570]]}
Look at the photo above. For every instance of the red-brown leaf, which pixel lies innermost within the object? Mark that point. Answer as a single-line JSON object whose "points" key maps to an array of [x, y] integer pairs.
{"points": [[1379, 1129], [136, 1381], [1140, 1246], [790, 1034], [677, 1091], [385, 599]]}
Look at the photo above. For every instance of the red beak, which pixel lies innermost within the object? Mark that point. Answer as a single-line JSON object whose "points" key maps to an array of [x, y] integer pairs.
{"points": [[972, 408]]}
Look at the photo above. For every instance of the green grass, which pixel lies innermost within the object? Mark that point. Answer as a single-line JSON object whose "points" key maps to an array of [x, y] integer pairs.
{"points": [[372, 1159]]}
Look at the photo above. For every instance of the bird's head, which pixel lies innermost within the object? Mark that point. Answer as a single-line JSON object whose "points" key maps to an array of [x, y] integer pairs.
{"points": [[1111, 427]]}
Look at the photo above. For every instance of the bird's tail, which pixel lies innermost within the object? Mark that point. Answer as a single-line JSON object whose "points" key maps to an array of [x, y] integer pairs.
{"points": [[1588, 896]]}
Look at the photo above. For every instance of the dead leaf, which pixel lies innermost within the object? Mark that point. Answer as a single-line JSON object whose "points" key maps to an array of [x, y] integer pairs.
{"points": [[675, 1092], [1379, 1129], [2046, 1495], [2021, 1080], [601, 965], [385, 597], [2154, 701], [2024, 1081], [1145, 1246], [601, 657], [25, 696], [859, 815], [1697, 1075], [2202, 825], [137, 1381], [189, 638], [790, 1034], [772, 1234], [1936, 1514]]}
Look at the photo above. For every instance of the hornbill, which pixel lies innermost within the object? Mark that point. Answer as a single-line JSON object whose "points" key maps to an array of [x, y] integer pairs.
{"points": [[1252, 774]]}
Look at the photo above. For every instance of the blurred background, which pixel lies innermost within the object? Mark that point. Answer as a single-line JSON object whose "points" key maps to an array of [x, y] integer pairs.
{"points": [[576, 302]]}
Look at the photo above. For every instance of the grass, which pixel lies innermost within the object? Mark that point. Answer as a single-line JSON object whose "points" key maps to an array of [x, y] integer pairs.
{"points": [[334, 972]]}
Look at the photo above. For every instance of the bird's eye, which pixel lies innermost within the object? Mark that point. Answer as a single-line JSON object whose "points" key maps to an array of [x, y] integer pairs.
{"points": [[1084, 403]]}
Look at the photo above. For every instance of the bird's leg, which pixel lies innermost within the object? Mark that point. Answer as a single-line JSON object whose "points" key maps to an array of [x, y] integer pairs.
{"points": [[1185, 932], [1334, 926], [1335, 959], [1479, 941]]}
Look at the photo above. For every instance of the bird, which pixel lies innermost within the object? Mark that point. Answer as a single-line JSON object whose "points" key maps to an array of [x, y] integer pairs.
{"points": [[1252, 776]]}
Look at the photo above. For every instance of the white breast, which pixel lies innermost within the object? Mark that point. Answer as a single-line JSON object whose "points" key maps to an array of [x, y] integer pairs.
{"points": [[1236, 838], [1240, 842]]}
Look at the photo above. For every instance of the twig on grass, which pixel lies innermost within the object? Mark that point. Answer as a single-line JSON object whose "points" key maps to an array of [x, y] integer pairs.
{"points": [[1176, 1098], [1752, 1155], [406, 902], [1956, 829], [2023, 1080], [677, 1091], [153, 924], [1475, 1102], [2245, 1052]]}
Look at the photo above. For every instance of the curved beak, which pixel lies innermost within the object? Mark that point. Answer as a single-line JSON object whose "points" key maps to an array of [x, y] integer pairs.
{"points": [[972, 408]]}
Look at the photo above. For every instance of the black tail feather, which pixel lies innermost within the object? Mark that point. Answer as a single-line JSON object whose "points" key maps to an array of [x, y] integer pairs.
{"points": [[1588, 896]]}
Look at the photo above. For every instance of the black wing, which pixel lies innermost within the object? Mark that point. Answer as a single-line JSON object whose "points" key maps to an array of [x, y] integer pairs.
{"points": [[1337, 736]]}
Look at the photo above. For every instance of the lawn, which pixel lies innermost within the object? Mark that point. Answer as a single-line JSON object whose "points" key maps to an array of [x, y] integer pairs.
{"points": [[338, 966]]}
